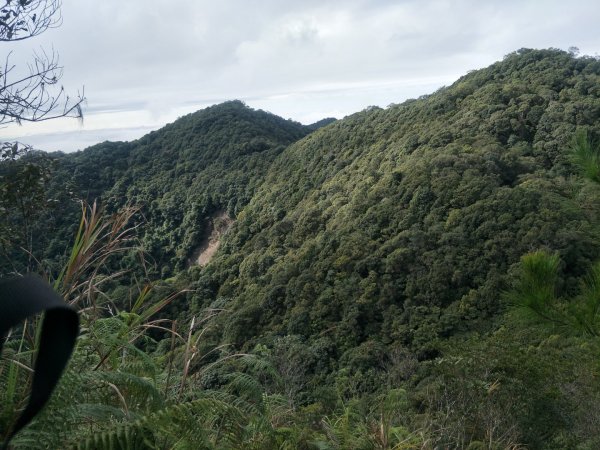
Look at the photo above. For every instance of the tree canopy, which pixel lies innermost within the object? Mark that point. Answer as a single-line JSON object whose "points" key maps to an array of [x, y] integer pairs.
{"points": [[364, 277]]}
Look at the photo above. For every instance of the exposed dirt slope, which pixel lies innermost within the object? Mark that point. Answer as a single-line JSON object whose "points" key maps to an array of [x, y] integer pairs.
{"points": [[219, 224]]}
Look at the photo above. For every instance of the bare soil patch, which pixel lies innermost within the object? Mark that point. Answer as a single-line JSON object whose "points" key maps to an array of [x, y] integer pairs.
{"points": [[219, 224]]}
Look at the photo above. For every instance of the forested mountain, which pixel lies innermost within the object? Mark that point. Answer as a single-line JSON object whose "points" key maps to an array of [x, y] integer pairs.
{"points": [[178, 176], [400, 225], [371, 270]]}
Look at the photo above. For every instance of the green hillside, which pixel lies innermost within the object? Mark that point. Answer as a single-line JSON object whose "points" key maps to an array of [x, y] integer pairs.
{"points": [[398, 231], [414, 277], [401, 225], [179, 176]]}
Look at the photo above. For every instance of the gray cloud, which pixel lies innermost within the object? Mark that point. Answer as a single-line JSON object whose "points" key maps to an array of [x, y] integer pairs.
{"points": [[146, 62]]}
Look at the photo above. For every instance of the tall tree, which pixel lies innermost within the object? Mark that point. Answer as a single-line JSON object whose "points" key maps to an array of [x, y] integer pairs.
{"points": [[29, 95]]}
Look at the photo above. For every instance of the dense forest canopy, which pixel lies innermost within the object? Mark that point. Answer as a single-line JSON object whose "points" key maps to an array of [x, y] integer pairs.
{"points": [[368, 267], [207, 161], [400, 225]]}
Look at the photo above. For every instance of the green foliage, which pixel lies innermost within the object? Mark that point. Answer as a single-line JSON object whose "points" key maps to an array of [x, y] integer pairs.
{"points": [[536, 287], [586, 155], [521, 385], [399, 226], [356, 302], [24, 176], [586, 307]]}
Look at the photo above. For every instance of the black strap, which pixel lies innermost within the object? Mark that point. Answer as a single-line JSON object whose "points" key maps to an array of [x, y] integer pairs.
{"points": [[21, 298]]}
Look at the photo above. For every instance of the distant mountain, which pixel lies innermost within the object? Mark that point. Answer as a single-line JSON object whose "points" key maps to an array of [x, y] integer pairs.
{"points": [[321, 123], [212, 160]]}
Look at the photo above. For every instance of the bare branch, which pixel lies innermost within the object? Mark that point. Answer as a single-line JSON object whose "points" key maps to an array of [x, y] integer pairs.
{"points": [[36, 96], [23, 19]]}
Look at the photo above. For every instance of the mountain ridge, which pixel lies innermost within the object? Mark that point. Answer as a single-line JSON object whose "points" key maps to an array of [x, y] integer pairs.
{"points": [[364, 293], [411, 185]]}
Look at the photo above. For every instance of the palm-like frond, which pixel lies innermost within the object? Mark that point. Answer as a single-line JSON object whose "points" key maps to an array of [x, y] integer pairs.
{"points": [[97, 239]]}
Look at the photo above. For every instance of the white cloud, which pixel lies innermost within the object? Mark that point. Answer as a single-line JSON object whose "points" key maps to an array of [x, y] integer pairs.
{"points": [[146, 62]]}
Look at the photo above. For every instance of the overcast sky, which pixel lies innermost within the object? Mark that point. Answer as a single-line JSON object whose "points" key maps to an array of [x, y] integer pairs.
{"points": [[146, 62]]}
